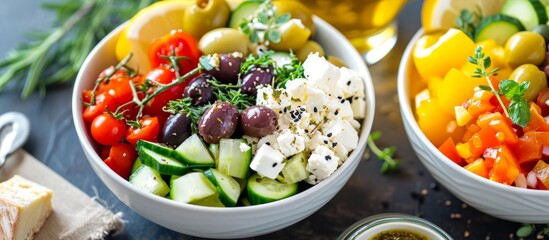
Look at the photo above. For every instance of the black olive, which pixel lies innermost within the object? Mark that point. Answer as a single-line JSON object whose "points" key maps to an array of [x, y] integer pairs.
{"points": [[218, 121], [258, 121], [199, 90], [257, 76], [229, 68], [176, 129]]}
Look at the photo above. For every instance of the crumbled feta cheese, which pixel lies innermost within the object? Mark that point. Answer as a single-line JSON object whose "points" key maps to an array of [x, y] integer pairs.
{"points": [[274, 99], [350, 83], [322, 163], [317, 140], [358, 105], [296, 88], [316, 99], [252, 141], [341, 152], [269, 140], [290, 144], [321, 73], [267, 162], [244, 147], [341, 132]]}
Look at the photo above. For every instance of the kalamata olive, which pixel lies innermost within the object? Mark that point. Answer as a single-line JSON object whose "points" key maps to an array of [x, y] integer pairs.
{"points": [[199, 90], [229, 68], [176, 129], [255, 77], [219, 121], [258, 121]]}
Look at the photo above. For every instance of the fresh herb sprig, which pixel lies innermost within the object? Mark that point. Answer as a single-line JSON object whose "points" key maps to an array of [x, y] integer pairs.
{"points": [[263, 26], [54, 56], [466, 21], [289, 71], [389, 163], [518, 110]]}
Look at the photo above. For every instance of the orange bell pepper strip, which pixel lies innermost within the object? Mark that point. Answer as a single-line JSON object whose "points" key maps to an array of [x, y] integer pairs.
{"points": [[482, 140], [542, 173], [478, 167], [528, 148], [537, 122], [500, 124], [505, 168], [480, 103], [448, 148]]}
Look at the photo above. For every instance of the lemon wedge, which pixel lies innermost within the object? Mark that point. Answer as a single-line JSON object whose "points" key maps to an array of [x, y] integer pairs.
{"points": [[148, 24], [440, 15]]}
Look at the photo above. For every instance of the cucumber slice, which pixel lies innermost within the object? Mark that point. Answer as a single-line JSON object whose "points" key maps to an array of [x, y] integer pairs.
{"points": [[214, 150], [149, 180], [155, 147], [161, 163], [242, 12], [193, 152], [265, 190], [228, 188], [136, 164], [530, 12], [191, 187], [281, 58], [211, 201], [232, 160], [498, 27], [295, 169]]}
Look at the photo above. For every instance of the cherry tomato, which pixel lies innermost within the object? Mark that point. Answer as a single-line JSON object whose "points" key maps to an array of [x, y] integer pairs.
{"points": [[87, 96], [165, 75], [121, 158], [182, 43], [542, 99], [150, 128], [107, 130], [102, 101]]}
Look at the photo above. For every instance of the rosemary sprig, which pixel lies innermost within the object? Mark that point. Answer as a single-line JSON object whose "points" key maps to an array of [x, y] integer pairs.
{"points": [[263, 25], [389, 163], [518, 110], [55, 55]]}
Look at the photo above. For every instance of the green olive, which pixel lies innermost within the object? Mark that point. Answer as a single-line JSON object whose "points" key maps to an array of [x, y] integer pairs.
{"points": [[524, 47], [336, 61], [224, 40], [532, 74], [293, 35], [309, 47], [205, 15], [297, 10]]}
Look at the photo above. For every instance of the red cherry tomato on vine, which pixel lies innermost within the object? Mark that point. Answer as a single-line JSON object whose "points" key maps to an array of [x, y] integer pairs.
{"points": [[150, 128], [165, 75], [102, 101], [121, 158], [119, 88], [182, 43], [107, 130]]}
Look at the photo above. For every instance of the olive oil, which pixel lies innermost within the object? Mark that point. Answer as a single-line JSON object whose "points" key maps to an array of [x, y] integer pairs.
{"points": [[399, 235]]}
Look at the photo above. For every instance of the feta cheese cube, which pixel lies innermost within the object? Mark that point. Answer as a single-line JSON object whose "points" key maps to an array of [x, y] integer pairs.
{"points": [[290, 144], [358, 105], [274, 99], [317, 140], [341, 132], [341, 152], [267, 162], [296, 88], [351, 83], [252, 141], [321, 73], [322, 163], [269, 140], [316, 100]]}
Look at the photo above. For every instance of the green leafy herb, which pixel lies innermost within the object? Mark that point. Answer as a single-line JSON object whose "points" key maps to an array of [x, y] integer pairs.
{"points": [[257, 60], [231, 94], [185, 106], [466, 21], [263, 26], [55, 55], [527, 230], [518, 110], [289, 71], [389, 163]]}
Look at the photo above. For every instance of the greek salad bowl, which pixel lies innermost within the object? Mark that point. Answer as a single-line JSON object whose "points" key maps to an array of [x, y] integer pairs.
{"points": [[224, 222], [505, 201]]}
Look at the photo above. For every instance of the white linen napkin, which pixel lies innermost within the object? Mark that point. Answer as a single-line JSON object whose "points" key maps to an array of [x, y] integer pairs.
{"points": [[75, 215]]}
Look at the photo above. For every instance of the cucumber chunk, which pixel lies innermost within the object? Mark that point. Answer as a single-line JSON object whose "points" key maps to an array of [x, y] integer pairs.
{"points": [[214, 150], [211, 201], [498, 27], [228, 188], [233, 161], [193, 152], [155, 147], [242, 12], [530, 12], [295, 169], [136, 165], [191, 187], [264, 190], [281, 58], [161, 163], [149, 180]]}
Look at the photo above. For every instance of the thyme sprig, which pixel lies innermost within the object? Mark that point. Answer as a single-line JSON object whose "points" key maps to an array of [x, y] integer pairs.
{"points": [[54, 56], [263, 26], [518, 110], [290, 71], [389, 163]]}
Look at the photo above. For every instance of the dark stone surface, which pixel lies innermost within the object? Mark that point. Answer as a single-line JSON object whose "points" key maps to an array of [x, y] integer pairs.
{"points": [[53, 140]]}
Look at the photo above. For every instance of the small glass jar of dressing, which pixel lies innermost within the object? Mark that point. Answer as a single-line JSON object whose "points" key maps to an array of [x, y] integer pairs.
{"points": [[394, 226]]}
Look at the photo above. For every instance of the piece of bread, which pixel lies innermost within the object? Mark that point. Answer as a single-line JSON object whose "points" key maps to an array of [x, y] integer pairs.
{"points": [[24, 207]]}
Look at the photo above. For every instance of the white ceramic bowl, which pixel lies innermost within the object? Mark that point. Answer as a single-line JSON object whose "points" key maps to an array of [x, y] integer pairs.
{"points": [[236, 222], [499, 200]]}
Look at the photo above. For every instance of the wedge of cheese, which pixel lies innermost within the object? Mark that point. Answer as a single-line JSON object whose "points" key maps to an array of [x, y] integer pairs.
{"points": [[24, 207]]}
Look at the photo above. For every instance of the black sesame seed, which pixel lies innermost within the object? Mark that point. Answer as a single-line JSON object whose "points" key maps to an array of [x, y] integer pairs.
{"points": [[325, 141], [306, 130], [336, 112], [268, 143], [334, 144], [342, 100], [339, 97], [328, 157], [315, 109], [348, 83], [329, 135], [274, 164], [302, 108]]}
